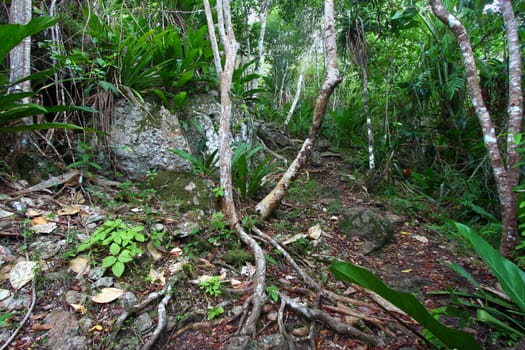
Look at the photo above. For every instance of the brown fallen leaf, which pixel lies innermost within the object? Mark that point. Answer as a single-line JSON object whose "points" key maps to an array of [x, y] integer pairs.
{"points": [[80, 265], [22, 273], [79, 308], [44, 227], [68, 210], [107, 295], [68, 177], [31, 213], [37, 327], [39, 220]]}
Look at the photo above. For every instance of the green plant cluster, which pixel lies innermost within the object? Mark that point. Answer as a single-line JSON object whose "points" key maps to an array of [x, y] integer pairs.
{"points": [[134, 56], [118, 241], [247, 171], [211, 286], [219, 225], [505, 315], [203, 164], [85, 163]]}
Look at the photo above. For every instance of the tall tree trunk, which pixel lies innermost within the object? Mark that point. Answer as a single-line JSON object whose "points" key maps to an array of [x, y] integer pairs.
{"points": [[225, 73], [299, 85], [332, 79], [260, 42], [369, 127], [20, 62], [506, 174], [20, 56], [510, 234]]}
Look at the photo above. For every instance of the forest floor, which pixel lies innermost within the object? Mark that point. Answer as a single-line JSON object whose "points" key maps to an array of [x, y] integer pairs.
{"points": [[416, 260]]}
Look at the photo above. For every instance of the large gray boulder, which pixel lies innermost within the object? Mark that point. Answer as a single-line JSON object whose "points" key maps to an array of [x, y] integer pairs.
{"points": [[202, 116], [369, 225], [141, 136]]}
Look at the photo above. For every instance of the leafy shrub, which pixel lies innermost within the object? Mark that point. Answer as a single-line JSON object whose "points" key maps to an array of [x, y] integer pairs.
{"points": [[202, 163], [247, 174], [344, 127], [119, 241], [211, 285]]}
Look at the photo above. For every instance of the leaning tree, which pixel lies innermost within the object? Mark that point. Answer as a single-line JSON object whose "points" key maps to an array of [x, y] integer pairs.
{"points": [[504, 164]]}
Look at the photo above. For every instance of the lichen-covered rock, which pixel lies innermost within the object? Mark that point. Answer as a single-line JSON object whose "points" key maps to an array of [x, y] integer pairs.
{"points": [[238, 257], [65, 332], [141, 137], [369, 224], [202, 116]]}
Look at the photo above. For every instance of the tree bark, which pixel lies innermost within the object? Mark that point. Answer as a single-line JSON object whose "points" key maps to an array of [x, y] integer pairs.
{"points": [[20, 56], [332, 79], [505, 175], [225, 73], [299, 85], [509, 238], [369, 127], [260, 42]]}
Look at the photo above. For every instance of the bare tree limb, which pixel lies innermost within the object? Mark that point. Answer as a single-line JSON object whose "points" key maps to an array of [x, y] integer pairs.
{"points": [[332, 79]]}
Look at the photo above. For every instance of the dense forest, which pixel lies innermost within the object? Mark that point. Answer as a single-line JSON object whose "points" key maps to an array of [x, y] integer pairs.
{"points": [[267, 174]]}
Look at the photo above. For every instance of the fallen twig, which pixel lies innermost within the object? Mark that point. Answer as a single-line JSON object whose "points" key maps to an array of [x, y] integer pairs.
{"points": [[52, 182]]}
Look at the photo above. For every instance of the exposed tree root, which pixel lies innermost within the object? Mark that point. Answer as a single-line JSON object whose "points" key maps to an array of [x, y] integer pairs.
{"points": [[259, 296], [282, 329], [165, 294], [318, 315], [162, 320], [332, 323]]}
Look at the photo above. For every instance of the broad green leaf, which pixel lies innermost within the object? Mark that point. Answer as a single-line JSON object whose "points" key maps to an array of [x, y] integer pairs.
{"points": [[114, 249], [108, 240], [406, 302], [125, 256], [465, 274], [13, 34], [510, 276], [183, 78], [118, 268], [83, 247], [109, 261], [43, 126], [5, 317], [108, 86], [139, 237], [485, 317]]}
